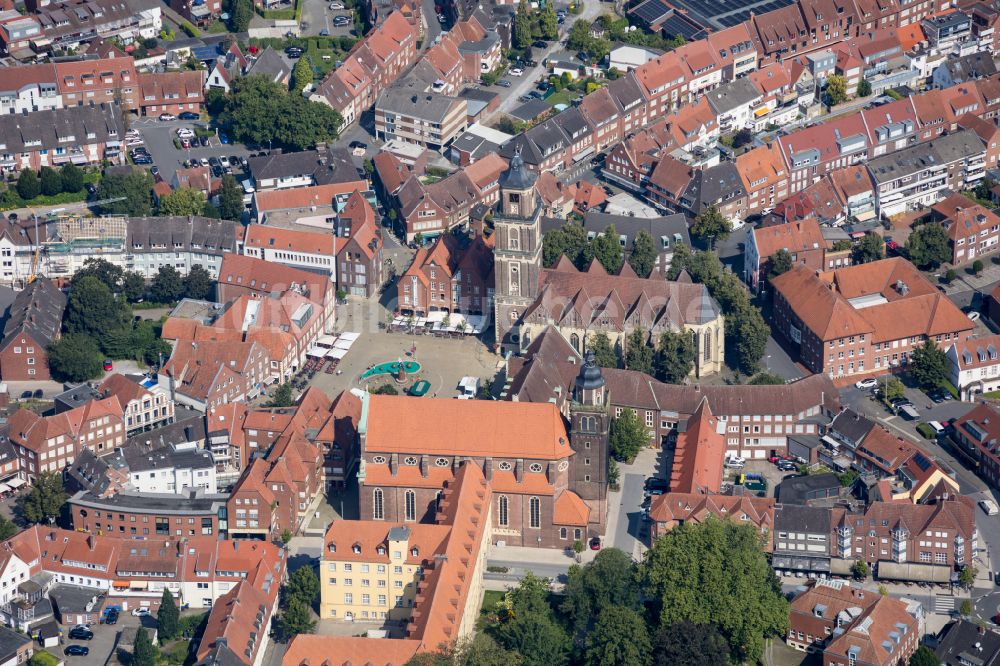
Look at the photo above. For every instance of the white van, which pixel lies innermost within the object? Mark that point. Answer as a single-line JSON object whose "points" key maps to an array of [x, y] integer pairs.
{"points": [[989, 507], [936, 427]]}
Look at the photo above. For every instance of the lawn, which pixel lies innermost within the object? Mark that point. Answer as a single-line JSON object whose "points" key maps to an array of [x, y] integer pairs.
{"points": [[490, 599], [562, 97]]}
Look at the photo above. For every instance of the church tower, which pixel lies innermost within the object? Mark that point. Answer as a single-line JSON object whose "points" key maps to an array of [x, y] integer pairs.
{"points": [[517, 253], [589, 423]]}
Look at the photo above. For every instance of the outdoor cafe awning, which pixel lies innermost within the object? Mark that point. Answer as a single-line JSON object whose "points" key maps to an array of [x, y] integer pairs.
{"points": [[120, 584], [15, 483], [927, 573]]}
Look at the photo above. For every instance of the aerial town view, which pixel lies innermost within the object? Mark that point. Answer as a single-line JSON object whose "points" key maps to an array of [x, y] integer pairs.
{"points": [[500, 332]]}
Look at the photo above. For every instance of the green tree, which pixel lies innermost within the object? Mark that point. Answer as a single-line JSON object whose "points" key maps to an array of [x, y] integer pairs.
{"points": [[75, 358], [133, 191], [198, 283], [302, 75], [167, 286], [295, 620], [230, 199], [642, 257], [977, 266], [260, 111], [967, 577], [28, 186], [674, 357], [569, 240], [241, 15], [45, 501], [527, 625], [781, 263], [167, 618], [109, 274], [610, 580], [711, 226], [864, 88], [717, 573], [889, 390], [860, 570], [286, 536], [747, 332], [7, 528], [607, 249], [689, 644], [950, 275], [283, 396], [604, 353], [638, 354], [94, 311], [385, 389], [627, 436], [133, 286], [924, 656], [183, 202], [522, 26], [836, 89], [144, 653], [50, 181], [765, 379], [869, 248], [72, 177], [548, 22], [929, 365], [619, 637], [928, 246], [303, 585], [965, 608]]}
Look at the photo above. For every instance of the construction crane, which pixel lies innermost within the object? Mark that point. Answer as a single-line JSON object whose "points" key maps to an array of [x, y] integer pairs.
{"points": [[36, 257]]}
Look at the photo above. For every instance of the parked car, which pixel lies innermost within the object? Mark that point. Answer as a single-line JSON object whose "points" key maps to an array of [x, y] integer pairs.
{"points": [[540, 44], [871, 382], [80, 634], [939, 395], [787, 466], [204, 141], [516, 71], [974, 316], [340, 21], [12, 217], [167, 117], [595, 543], [139, 612], [185, 133], [76, 651], [186, 143], [336, 5], [108, 364], [324, 33], [504, 83], [155, 171], [188, 115], [223, 138]]}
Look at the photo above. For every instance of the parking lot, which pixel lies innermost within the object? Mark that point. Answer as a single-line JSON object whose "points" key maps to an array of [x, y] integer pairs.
{"points": [[158, 137], [103, 642], [317, 17]]}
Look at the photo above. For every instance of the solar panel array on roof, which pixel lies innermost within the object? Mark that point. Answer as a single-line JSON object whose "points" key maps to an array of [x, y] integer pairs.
{"points": [[921, 461], [725, 13], [651, 10]]}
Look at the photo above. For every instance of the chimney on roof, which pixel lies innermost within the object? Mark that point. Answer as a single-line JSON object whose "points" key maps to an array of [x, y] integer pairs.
{"points": [[90, 542]]}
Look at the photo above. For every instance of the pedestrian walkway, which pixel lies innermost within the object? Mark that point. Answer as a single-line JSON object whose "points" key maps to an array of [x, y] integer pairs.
{"points": [[526, 555], [944, 605]]}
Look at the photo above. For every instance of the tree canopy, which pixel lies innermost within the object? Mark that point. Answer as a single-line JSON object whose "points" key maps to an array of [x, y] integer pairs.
{"points": [[144, 653], [611, 579], [167, 618], [929, 365], [45, 500], [183, 202], [836, 89], [674, 357], [781, 262], [638, 353], [607, 249], [28, 185], [619, 637], [710, 226], [283, 396], [627, 436], [690, 644], [93, 310], [259, 111], [133, 190], [869, 248], [303, 585], [198, 284], [642, 256], [167, 286], [75, 357], [604, 353], [928, 246], [717, 573], [230, 199], [525, 623]]}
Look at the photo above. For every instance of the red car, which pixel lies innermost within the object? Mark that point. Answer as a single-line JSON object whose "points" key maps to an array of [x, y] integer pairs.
{"points": [[108, 365], [595, 543]]}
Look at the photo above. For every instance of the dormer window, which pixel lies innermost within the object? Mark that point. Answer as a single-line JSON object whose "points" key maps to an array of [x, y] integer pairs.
{"points": [[356, 548], [332, 547], [414, 552], [380, 550]]}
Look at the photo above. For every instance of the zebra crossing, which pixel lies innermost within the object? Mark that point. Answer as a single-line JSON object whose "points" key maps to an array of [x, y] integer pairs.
{"points": [[944, 605]]}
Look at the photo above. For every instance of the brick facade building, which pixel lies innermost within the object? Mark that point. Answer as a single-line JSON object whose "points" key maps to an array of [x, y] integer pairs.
{"points": [[549, 484]]}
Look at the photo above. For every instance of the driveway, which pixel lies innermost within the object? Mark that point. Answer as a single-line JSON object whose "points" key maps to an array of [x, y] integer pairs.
{"points": [[627, 530], [159, 137]]}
